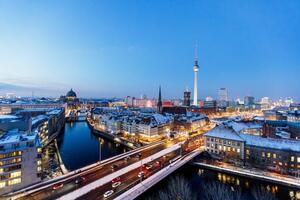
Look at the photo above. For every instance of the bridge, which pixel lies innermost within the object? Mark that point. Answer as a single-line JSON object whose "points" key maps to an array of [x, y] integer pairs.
{"points": [[96, 178]]}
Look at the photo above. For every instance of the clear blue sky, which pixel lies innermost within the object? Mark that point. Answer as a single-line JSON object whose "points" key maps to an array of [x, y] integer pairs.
{"points": [[119, 48]]}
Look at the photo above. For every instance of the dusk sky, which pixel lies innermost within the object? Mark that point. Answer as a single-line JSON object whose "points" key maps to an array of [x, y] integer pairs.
{"points": [[119, 48]]}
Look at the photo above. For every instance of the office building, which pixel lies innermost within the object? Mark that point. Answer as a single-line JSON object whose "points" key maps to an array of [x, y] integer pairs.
{"points": [[187, 98]]}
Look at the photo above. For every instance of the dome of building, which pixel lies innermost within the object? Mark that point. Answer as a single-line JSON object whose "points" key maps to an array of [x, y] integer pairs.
{"points": [[71, 93]]}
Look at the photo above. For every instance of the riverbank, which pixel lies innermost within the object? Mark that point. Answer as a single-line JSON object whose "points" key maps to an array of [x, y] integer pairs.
{"points": [[111, 137]]}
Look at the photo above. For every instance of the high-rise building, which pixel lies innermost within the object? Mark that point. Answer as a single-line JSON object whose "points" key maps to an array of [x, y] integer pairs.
{"points": [[196, 69], [159, 102], [223, 94], [265, 100], [249, 101], [187, 98]]}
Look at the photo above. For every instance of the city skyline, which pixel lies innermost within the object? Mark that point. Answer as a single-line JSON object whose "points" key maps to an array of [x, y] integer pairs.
{"points": [[107, 51]]}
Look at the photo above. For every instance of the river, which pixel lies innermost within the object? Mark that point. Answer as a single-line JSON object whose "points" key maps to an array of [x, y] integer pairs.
{"points": [[79, 147]]}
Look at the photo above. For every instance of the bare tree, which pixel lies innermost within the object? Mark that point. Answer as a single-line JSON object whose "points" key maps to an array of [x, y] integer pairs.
{"points": [[260, 193], [217, 191], [177, 188]]}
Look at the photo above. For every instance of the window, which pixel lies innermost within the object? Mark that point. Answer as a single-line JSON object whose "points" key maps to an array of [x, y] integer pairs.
{"points": [[274, 155], [247, 152], [2, 184], [292, 158], [39, 169], [14, 181], [39, 150], [238, 150], [1, 170], [39, 162], [263, 154], [15, 174], [269, 155], [298, 159]]}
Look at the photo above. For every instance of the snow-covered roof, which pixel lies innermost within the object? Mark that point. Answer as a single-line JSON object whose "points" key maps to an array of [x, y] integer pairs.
{"points": [[15, 136], [280, 144], [8, 117], [254, 140], [38, 119], [242, 126], [54, 112], [225, 133]]}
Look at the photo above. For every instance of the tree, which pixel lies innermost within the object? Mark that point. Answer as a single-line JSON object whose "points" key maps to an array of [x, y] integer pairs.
{"points": [[260, 193], [217, 191], [178, 188]]}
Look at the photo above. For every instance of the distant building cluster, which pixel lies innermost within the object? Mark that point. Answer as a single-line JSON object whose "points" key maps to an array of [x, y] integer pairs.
{"points": [[145, 122]]}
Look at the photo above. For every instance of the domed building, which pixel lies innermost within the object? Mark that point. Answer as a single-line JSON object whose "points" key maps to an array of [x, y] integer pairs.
{"points": [[71, 99], [71, 95]]}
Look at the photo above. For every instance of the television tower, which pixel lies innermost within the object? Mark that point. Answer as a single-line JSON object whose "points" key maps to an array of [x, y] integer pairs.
{"points": [[196, 69]]}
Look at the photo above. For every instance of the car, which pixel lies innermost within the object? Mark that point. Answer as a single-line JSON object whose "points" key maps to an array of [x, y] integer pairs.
{"points": [[80, 180], [148, 166], [141, 174], [157, 164], [115, 180], [116, 184], [108, 193], [57, 186]]}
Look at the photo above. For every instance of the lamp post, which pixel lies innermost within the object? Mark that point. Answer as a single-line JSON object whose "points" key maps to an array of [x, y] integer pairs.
{"points": [[100, 148]]}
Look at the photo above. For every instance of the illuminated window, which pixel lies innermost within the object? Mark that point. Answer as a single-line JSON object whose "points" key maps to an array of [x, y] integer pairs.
{"points": [[220, 147], [238, 150], [39, 162], [2, 184], [14, 181], [263, 154], [298, 159], [280, 163], [274, 155], [39, 150], [15, 174], [1, 170], [269, 155], [39, 169], [292, 158], [247, 152]]}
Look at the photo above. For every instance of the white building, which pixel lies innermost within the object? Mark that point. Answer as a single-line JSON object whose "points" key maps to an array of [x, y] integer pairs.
{"points": [[20, 160]]}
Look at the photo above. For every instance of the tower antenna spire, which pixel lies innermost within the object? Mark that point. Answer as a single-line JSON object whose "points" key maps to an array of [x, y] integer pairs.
{"points": [[196, 52]]}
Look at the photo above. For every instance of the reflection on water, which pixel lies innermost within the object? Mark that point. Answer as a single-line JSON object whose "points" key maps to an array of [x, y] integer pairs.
{"points": [[246, 184], [79, 147], [198, 178]]}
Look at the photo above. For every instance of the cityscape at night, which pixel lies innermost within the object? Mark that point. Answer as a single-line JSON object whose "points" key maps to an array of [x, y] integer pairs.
{"points": [[164, 100]]}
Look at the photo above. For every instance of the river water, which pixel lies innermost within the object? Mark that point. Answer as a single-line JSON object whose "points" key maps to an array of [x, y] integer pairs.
{"points": [[79, 147]]}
